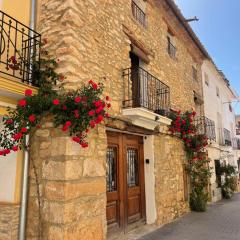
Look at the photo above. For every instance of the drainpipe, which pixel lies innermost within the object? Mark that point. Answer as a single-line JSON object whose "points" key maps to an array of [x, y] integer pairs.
{"points": [[23, 208]]}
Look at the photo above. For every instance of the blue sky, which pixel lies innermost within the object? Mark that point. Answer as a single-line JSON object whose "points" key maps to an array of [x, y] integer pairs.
{"points": [[219, 31]]}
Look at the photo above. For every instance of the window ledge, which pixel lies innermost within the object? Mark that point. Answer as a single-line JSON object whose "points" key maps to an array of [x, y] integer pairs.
{"points": [[144, 118]]}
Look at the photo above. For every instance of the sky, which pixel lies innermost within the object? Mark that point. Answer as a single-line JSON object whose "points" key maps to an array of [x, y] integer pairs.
{"points": [[218, 29]]}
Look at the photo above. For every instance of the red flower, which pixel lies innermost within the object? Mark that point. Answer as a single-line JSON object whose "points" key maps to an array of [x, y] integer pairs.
{"points": [[77, 100], [17, 136], [64, 107], [32, 118], [107, 115], [23, 130], [64, 128], [22, 102], [99, 119], [6, 151], [94, 86], [99, 109], [84, 144], [28, 92], [68, 123], [107, 98], [56, 102], [1, 153], [76, 139], [97, 103], [91, 113], [194, 114], [92, 124], [38, 126], [87, 130], [76, 114], [109, 105], [15, 148], [90, 81], [9, 121]]}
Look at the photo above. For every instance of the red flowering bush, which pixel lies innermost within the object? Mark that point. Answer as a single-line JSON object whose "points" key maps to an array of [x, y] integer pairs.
{"points": [[76, 111], [184, 127]]}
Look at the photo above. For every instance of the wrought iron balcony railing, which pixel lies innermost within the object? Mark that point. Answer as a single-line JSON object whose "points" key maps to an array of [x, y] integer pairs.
{"points": [[144, 90], [138, 14], [206, 126], [236, 143], [227, 137], [19, 50]]}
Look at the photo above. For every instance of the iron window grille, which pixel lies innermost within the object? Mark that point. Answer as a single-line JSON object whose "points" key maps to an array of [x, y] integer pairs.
{"points": [[142, 89], [19, 50], [171, 48], [139, 14]]}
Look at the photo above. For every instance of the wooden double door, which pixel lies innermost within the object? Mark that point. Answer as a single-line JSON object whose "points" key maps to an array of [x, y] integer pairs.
{"points": [[125, 182]]}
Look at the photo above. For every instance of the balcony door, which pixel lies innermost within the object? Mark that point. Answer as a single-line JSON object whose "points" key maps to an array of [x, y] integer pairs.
{"points": [[139, 82], [125, 182]]}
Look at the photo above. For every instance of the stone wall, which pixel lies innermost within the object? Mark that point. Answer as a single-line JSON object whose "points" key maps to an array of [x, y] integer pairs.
{"points": [[170, 159], [72, 186], [9, 219]]}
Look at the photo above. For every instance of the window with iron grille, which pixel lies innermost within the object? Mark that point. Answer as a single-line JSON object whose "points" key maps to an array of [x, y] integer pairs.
{"points": [[139, 14], [171, 48]]}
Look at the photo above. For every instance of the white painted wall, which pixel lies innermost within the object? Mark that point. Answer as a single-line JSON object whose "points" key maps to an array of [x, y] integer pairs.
{"points": [[214, 107], [7, 175], [149, 180]]}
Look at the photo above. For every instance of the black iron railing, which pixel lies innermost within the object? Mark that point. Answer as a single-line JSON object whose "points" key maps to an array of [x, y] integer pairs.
{"points": [[236, 143], [144, 90], [19, 49], [138, 14], [205, 126], [227, 137]]}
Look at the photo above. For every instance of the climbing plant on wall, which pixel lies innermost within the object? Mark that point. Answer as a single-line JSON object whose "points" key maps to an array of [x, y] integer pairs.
{"points": [[194, 142], [76, 111]]}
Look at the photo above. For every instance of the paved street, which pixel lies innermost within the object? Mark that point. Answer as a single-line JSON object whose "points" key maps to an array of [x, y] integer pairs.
{"points": [[220, 222]]}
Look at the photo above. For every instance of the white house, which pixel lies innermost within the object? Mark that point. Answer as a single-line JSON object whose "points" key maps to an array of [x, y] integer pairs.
{"points": [[220, 122]]}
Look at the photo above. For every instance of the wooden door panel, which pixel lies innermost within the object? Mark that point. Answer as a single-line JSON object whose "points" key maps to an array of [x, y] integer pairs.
{"points": [[112, 212]]}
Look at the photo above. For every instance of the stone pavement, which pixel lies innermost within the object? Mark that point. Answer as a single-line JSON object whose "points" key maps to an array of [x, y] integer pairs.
{"points": [[220, 222]]}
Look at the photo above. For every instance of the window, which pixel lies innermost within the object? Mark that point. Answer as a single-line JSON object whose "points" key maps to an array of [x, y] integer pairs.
{"points": [[217, 92], [230, 107], [206, 79], [138, 13], [194, 74], [171, 47], [218, 172]]}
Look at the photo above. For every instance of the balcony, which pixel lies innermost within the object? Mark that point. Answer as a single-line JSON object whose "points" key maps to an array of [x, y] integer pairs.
{"points": [[146, 98], [227, 137], [205, 126], [19, 50], [236, 143]]}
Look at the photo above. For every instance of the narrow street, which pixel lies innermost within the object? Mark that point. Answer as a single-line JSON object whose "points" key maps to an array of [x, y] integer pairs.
{"points": [[220, 222]]}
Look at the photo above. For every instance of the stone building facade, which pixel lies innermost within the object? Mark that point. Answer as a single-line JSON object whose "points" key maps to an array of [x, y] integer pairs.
{"points": [[98, 40]]}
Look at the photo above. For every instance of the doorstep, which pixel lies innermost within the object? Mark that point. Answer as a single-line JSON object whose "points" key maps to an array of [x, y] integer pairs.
{"points": [[134, 234]]}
